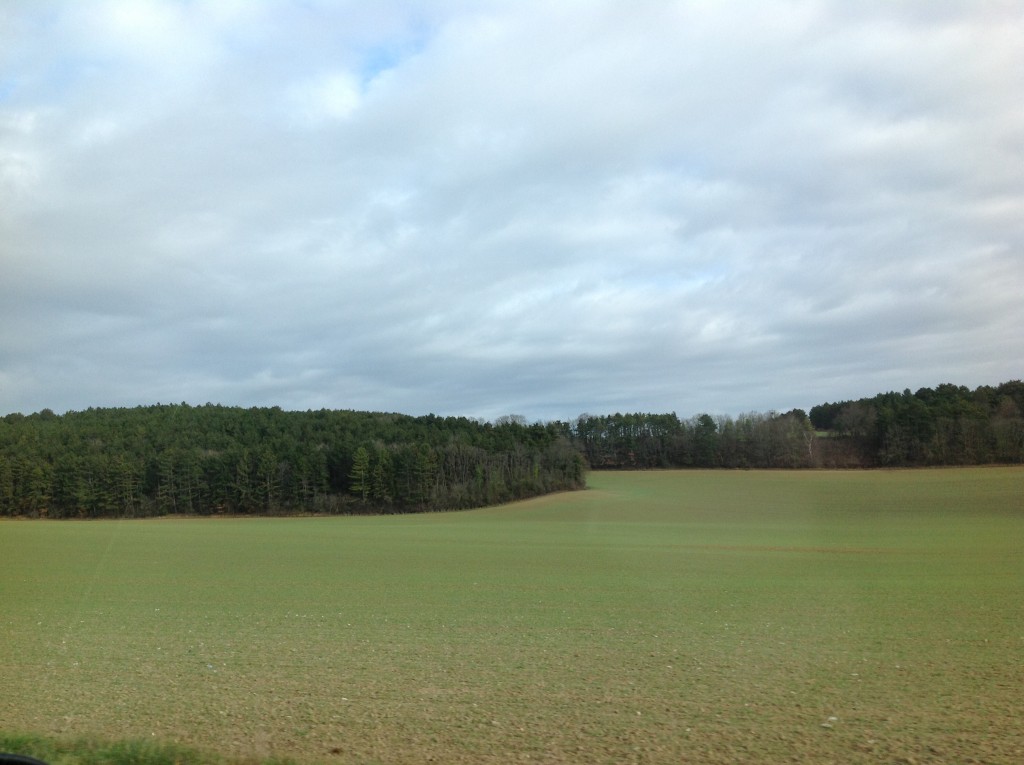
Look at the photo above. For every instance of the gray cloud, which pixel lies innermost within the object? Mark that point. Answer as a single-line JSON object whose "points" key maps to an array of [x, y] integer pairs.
{"points": [[481, 208]]}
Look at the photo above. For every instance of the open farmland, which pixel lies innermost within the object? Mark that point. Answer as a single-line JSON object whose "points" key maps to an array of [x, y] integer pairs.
{"points": [[656, 617]]}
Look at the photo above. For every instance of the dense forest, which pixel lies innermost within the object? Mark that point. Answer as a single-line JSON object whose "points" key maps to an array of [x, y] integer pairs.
{"points": [[180, 459], [948, 425], [206, 460]]}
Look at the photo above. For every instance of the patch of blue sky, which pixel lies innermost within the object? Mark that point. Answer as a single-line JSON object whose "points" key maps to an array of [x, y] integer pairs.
{"points": [[66, 72], [389, 54]]}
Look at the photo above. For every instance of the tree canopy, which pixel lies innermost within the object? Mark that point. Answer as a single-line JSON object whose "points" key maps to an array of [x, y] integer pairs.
{"points": [[205, 460], [179, 459], [948, 425]]}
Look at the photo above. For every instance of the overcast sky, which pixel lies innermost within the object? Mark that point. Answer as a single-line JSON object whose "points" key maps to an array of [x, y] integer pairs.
{"points": [[538, 207]]}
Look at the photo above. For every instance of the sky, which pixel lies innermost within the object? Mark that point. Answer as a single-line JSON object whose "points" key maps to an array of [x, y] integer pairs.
{"points": [[539, 207]]}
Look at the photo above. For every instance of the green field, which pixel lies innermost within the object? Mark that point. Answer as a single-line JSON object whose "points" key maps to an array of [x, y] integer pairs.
{"points": [[657, 617]]}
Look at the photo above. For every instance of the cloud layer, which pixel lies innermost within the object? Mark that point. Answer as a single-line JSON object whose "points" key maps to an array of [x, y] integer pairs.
{"points": [[532, 207]]}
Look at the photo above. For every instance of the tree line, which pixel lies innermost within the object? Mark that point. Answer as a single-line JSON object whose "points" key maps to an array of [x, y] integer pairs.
{"points": [[642, 441], [948, 425], [206, 460]]}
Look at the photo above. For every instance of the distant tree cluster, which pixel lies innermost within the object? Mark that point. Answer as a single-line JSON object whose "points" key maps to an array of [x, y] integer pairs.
{"points": [[950, 425], [625, 441], [179, 459]]}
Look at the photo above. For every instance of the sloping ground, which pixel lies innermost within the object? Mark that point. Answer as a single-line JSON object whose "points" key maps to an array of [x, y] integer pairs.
{"points": [[658, 617]]}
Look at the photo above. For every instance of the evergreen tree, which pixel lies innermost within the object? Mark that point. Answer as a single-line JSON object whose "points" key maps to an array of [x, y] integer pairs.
{"points": [[359, 479]]}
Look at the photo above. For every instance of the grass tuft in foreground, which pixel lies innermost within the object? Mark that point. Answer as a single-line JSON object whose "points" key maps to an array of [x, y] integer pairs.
{"points": [[91, 751]]}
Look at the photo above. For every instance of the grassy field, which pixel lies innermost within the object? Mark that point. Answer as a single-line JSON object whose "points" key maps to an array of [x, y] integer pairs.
{"points": [[657, 617]]}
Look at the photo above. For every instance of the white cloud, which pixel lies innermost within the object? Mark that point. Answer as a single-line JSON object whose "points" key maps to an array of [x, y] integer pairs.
{"points": [[330, 97], [476, 209]]}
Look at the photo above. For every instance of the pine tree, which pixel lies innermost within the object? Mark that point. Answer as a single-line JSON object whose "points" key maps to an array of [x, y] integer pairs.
{"points": [[381, 476], [360, 475]]}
